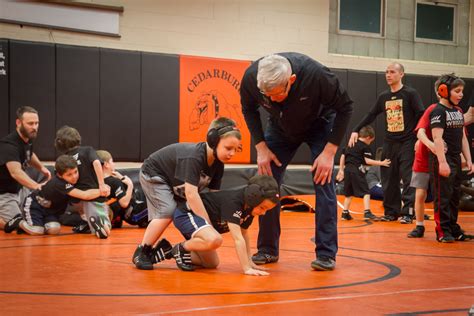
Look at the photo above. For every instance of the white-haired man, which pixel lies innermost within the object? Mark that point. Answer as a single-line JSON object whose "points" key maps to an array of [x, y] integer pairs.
{"points": [[307, 104]]}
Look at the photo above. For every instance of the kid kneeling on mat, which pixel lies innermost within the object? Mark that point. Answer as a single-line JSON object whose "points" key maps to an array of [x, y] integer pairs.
{"points": [[229, 211], [68, 141], [44, 206], [126, 202]]}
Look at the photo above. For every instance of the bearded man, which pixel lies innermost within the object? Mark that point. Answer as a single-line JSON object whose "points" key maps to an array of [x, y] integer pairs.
{"points": [[16, 154]]}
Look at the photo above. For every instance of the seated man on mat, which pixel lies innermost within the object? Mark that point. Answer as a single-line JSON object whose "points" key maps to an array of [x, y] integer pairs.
{"points": [[229, 211]]}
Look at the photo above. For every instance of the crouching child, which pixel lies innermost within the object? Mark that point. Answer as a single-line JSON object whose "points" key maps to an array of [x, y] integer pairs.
{"points": [[229, 211], [43, 207]]}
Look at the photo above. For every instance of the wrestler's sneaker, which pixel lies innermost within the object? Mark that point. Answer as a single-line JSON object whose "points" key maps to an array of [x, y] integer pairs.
{"points": [[13, 224], [417, 232], [82, 228], [162, 251], [98, 227], [182, 257], [346, 215], [142, 257]]}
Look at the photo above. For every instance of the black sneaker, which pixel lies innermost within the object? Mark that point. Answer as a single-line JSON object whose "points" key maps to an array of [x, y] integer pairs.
{"points": [[406, 219], [13, 224], [182, 257], [388, 218], [98, 227], [260, 258], [323, 264], [82, 228], [346, 216], [162, 251], [142, 257], [417, 232], [369, 215], [463, 237], [446, 239]]}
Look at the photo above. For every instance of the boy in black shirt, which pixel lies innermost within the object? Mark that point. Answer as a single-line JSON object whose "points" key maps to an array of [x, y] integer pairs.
{"points": [[352, 169], [447, 129], [230, 211], [43, 207], [122, 200], [179, 172], [68, 141]]}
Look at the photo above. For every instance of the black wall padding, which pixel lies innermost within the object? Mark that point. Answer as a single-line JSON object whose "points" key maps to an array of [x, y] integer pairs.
{"points": [[77, 86], [4, 108], [160, 102], [380, 121], [120, 82], [264, 116], [33, 82], [423, 85], [342, 75], [362, 90], [434, 97]]}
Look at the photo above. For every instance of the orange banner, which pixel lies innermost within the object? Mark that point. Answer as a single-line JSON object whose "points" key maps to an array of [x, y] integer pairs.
{"points": [[209, 88]]}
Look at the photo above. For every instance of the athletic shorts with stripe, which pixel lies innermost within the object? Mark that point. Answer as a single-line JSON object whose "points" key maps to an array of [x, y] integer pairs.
{"points": [[35, 215], [188, 223]]}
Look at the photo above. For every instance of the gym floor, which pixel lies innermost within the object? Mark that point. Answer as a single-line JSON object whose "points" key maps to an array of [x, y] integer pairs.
{"points": [[379, 272]]}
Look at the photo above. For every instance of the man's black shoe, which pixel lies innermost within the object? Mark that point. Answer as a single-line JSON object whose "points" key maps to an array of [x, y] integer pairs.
{"points": [[406, 219], [13, 224], [446, 239], [417, 232], [323, 264], [464, 237], [388, 218], [369, 215], [162, 251], [142, 257], [182, 257], [262, 258]]}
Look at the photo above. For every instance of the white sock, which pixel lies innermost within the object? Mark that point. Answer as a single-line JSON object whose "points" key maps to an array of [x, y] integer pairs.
{"points": [[420, 223]]}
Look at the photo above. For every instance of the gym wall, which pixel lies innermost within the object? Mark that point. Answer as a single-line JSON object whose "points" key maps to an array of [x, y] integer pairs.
{"points": [[127, 102], [247, 30]]}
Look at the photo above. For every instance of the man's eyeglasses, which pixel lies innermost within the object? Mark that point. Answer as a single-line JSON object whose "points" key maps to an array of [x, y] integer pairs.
{"points": [[281, 94]]}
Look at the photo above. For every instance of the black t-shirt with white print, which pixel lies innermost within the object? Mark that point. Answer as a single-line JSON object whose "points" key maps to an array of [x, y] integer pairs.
{"points": [[401, 109], [13, 148], [85, 156], [53, 196], [227, 206], [354, 157], [451, 120], [184, 162]]}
